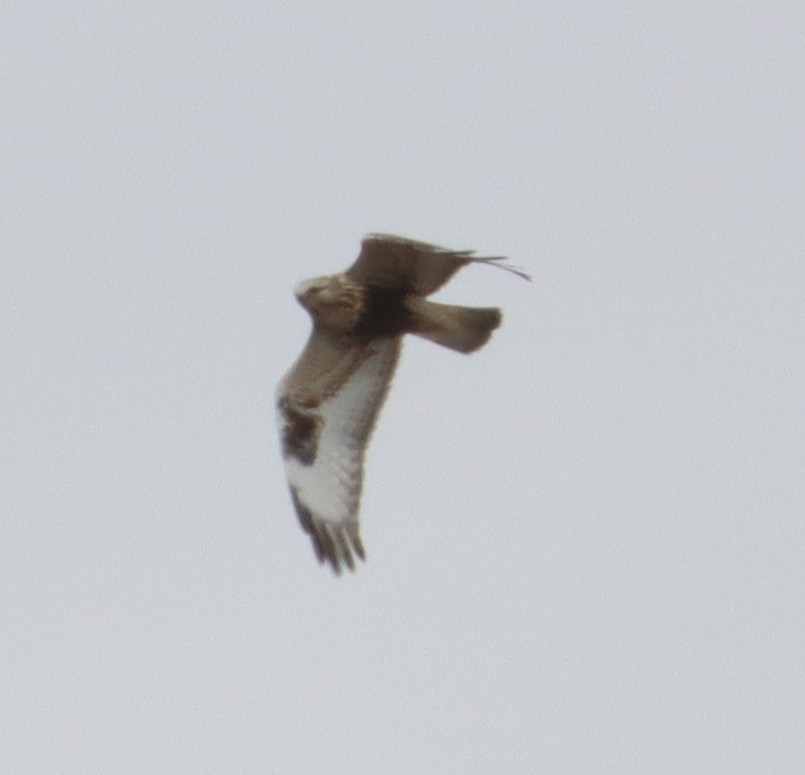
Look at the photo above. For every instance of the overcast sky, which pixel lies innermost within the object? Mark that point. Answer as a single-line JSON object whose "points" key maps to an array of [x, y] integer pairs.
{"points": [[585, 542]]}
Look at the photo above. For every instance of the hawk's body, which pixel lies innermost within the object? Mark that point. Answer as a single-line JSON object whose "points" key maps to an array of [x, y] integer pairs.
{"points": [[329, 401]]}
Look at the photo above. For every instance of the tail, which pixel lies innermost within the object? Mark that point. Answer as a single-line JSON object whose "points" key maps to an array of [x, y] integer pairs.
{"points": [[464, 329]]}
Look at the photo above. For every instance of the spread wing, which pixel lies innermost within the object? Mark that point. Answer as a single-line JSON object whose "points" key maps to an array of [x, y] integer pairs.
{"points": [[327, 406], [396, 262]]}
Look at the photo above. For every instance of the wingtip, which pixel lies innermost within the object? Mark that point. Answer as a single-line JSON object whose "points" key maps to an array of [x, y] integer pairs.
{"points": [[337, 546], [512, 268], [334, 543]]}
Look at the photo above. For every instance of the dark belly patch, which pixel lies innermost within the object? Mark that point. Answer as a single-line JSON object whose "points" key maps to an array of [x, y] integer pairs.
{"points": [[383, 313]]}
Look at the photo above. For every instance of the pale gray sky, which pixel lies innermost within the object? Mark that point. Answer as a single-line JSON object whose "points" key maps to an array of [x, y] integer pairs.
{"points": [[585, 543]]}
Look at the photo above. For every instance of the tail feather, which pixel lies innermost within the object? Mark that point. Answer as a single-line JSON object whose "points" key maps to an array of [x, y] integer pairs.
{"points": [[464, 329]]}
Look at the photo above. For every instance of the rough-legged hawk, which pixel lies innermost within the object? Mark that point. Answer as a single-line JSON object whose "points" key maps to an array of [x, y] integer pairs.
{"points": [[328, 402]]}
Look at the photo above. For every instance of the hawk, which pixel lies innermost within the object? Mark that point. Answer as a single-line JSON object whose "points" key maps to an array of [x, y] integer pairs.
{"points": [[328, 402]]}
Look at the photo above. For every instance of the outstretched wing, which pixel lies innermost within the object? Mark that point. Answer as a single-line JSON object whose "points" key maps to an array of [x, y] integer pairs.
{"points": [[417, 267], [327, 406]]}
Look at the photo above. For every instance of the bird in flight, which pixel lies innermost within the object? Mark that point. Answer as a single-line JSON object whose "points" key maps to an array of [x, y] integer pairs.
{"points": [[328, 402]]}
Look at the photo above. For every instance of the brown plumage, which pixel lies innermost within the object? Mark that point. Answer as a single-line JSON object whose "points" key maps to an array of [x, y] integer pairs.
{"points": [[328, 402]]}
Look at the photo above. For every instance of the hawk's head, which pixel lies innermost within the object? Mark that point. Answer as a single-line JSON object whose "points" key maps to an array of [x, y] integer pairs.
{"points": [[333, 301]]}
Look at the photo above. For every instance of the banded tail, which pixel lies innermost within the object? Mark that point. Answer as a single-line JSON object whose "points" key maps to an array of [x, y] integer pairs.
{"points": [[464, 329]]}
